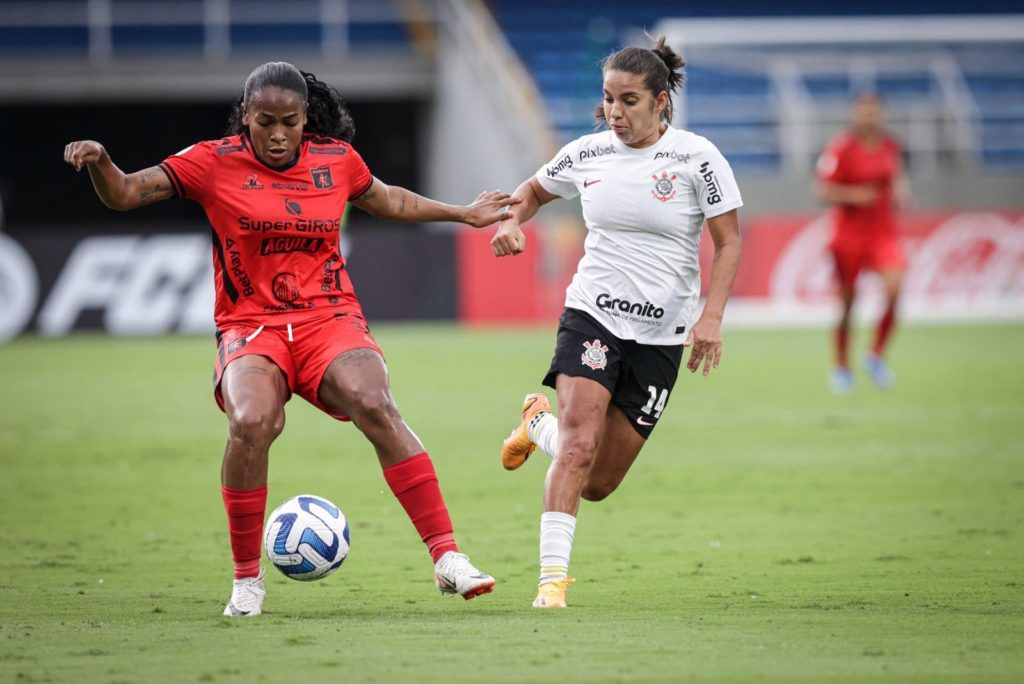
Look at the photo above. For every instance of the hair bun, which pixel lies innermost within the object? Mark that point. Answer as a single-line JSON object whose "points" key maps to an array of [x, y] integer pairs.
{"points": [[672, 60]]}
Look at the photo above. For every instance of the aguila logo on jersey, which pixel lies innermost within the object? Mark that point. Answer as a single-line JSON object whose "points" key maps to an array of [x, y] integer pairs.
{"points": [[284, 287], [606, 302], [663, 189], [714, 195], [252, 183], [283, 245], [322, 177], [594, 355], [292, 207], [563, 164]]}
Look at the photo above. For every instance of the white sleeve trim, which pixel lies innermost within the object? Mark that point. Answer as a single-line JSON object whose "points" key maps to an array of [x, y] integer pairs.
{"points": [[724, 210], [544, 180]]}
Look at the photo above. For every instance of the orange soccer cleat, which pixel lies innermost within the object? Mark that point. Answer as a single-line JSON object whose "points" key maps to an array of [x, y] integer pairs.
{"points": [[518, 447], [552, 594]]}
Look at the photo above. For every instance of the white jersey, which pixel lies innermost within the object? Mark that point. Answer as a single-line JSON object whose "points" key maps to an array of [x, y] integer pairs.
{"points": [[644, 210]]}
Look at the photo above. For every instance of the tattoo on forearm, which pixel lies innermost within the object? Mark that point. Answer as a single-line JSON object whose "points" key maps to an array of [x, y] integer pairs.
{"points": [[401, 206], [415, 202], [158, 193]]}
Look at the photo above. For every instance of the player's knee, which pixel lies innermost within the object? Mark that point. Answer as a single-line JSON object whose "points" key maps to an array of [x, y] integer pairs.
{"points": [[256, 425], [373, 409], [577, 450]]}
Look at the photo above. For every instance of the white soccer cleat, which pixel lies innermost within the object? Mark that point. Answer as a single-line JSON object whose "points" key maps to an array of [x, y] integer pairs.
{"points": [[247, 596], [454, 574]]}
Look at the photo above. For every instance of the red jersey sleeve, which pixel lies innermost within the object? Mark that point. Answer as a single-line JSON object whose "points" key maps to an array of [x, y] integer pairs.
{"points": [[831, 166], [359, 177], [189, 170]]}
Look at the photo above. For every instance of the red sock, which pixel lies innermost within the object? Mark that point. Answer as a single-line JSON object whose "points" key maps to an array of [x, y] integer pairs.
{"points": [[842, 341], [245, 508], [884, 329], [414, 484]]}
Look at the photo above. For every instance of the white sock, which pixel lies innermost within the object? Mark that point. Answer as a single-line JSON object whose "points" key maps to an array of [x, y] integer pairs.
{"points": [[556, 533], [543, 430]]}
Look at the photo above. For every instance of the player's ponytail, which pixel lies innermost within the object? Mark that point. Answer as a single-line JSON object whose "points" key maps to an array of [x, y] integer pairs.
{"points": [[661, 68], [326, 114]]}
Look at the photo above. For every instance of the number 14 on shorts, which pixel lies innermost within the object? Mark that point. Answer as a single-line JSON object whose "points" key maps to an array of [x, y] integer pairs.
{"points": [[656, 403]]}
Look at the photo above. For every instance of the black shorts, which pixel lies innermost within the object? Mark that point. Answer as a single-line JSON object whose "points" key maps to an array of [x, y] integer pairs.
{"points": [[640, 377]]}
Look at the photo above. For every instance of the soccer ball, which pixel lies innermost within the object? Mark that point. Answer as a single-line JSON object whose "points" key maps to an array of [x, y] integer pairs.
{"points": [[306, 538]]}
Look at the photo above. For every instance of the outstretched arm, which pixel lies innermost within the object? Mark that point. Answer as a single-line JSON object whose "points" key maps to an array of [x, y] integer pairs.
{"points": [[392, 203], [115, 188], [707, 332], [509, 239], [858, 195]]}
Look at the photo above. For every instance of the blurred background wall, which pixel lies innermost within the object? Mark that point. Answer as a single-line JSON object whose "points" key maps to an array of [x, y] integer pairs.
{"points": [[453, 97]]}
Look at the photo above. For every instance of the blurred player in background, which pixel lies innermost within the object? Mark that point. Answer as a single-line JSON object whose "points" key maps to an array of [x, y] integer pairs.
{"points": [[860, 174], [287, 317], [646, 190]]}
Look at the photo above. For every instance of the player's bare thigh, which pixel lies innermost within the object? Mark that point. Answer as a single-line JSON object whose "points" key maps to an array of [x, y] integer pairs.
{"points": [[582, 405], [620, 445], [356, 384], [892, 281], [254, 392], [253, 386]]}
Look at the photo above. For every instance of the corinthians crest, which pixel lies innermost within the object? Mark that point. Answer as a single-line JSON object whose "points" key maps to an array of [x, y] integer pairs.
{"points": [[663, 189], [594, 355]]}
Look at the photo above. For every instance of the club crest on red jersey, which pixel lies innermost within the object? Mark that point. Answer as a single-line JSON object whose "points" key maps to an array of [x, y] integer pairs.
{"points": [[594, 355], [285, 288], [663, 189], [322, 177]]}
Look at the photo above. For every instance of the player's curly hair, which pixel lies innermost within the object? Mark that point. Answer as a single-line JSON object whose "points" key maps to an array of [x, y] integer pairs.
{"points": [[326, 114], [661, 67]]}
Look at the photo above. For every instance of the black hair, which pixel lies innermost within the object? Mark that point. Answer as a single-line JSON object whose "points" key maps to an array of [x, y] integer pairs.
{"points": [[661, 67], [326, 114]]}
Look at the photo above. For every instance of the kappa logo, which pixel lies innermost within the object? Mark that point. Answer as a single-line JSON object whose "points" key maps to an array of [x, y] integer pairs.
{"points": [[595, 355], [252, 183], [322, 177], [663, 189]]}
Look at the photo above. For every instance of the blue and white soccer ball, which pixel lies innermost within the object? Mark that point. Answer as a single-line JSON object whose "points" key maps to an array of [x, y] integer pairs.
{"points": [[306, 538]]}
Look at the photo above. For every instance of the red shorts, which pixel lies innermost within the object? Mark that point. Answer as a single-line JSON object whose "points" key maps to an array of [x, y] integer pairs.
{"points": [[302, 351], [878, 255]]}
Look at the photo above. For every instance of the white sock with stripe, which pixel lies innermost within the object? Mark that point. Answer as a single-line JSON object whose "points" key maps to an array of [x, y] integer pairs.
{"points": [[543, 430], [556, 533]]}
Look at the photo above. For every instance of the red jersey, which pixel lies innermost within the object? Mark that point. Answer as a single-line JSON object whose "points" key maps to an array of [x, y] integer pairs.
{"points": [[848, 161], [275, 230]]}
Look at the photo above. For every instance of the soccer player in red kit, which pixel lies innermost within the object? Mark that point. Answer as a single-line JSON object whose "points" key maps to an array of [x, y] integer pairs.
{"points": [[287, 317], [860, 174]]}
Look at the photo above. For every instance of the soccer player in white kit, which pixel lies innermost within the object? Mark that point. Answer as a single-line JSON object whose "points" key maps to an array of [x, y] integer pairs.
{"points": [[646, 189]]}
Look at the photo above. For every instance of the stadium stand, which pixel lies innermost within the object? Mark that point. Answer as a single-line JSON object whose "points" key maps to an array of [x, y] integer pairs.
{"points": [[951, 101]]}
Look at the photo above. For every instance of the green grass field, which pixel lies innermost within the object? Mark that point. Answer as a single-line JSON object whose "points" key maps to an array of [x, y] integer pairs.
{"points": [[769, 531]]}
